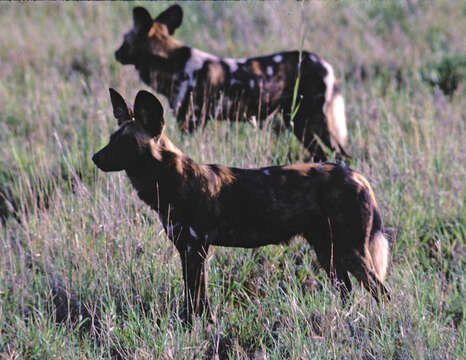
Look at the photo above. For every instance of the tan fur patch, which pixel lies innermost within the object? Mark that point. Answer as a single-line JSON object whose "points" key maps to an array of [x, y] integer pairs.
{"points": [[256, 68], [364, 184], [303, 169], [216, 74], [160, 40], [224, 177], [159, 145], [281, 72], [167, 145]]}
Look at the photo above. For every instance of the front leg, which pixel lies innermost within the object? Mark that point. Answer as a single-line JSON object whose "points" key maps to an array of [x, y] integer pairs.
{"points": [[193, 254], [189, 114]]}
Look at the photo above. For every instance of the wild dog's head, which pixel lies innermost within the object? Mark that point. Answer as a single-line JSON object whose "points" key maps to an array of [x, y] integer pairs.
{"points": [[150, 36], [138, 134]]}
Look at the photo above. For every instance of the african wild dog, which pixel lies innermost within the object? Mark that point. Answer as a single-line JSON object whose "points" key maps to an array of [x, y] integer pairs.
{"points": [[199, 85], [199, 205]]}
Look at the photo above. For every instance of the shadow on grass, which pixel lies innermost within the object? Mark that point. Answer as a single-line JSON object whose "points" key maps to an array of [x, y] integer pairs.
{"points": [[11, 204]]}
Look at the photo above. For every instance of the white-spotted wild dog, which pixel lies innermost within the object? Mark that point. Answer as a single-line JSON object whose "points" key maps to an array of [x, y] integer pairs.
{"points": [[199, 85], [200, 205]]}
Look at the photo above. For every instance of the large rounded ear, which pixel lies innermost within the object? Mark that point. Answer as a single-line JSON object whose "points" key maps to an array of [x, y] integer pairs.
{"points": [[172, 17], [121, 110], [149, 112], [142, 20]]}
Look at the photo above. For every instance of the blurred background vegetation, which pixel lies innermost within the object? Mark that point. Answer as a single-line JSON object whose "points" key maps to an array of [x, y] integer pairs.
{"points": [[87, 272]]}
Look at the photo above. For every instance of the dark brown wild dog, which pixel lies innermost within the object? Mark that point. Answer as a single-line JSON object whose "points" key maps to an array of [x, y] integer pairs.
{"points": [[199, 205], [199, 85]]}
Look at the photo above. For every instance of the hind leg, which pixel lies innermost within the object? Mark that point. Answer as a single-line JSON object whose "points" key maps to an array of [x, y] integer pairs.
{"points": [[351, 222], [358, 266], [336, 271], [330, 259]]}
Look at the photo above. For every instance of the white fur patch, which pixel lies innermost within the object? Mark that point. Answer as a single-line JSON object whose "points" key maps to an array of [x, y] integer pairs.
{"points": [[253, 121], [277, 58], [266, 172], [338, 109], [234, 81], [337, 105], [192, 232], [180, 95], [329, 81], [313, 57], [232, 64], [269, 70], [251, 83], [196, 62], [197, 59], [380, 251]]}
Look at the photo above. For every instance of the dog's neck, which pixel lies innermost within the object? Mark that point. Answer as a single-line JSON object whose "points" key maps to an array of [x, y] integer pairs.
{"points": [[173, 184], [162, 73], [159, 174]]}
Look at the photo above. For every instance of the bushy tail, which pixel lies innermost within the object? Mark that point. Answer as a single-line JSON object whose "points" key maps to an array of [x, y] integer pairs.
{"points": [[337, 117], [336, 121], [378, 247]]}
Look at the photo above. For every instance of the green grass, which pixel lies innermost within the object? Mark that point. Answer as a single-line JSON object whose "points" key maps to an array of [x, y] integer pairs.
{"points": [[78, 244]]}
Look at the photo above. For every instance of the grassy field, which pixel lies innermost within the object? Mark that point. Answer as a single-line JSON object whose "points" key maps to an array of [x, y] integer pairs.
{"points": [[85, 269]]}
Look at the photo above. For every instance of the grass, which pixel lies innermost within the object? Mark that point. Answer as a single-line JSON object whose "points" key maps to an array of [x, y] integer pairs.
{"points": [[85, 270]]}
